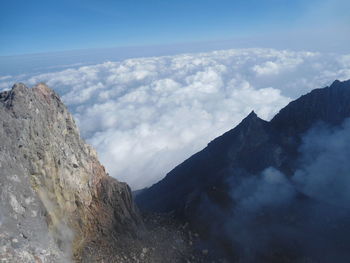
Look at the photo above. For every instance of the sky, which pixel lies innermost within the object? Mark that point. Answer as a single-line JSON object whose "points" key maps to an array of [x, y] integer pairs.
{"points": [[152, 82], [48, 26]]}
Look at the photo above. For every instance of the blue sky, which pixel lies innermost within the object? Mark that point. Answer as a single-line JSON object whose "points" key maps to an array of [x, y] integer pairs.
{"points": [[45, 26], [163, 102]]}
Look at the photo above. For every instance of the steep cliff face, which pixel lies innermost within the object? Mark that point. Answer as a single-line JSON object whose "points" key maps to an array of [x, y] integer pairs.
{"points": [[55, 195]]}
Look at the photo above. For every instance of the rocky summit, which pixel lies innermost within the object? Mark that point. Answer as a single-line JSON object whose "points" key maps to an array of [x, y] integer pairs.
{"points": [[57, 200], [58, 204]]}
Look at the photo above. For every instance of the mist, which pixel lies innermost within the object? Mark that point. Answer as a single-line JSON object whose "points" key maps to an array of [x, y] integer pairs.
{"points": [[304, 217], [325, 168]]}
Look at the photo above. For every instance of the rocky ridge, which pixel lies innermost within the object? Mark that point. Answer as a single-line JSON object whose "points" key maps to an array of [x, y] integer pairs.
{"points": [[56, 198], [58, 204]]}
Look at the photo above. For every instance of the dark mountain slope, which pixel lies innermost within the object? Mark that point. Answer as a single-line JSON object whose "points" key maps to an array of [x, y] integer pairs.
{"points": [[182, 185], [252, 146], [330, 105], [243, 185]]}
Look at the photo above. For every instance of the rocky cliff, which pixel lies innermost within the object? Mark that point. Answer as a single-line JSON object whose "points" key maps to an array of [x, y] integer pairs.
{"points": [[56, 199]]}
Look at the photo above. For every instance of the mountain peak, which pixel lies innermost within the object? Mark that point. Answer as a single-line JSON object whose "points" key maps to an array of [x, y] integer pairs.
{"points": [[336, 82], [51, 176], [19, 85], [252, 115], [42, 88], [251, 119], [22, 88], [341, 84], [17, 89]]}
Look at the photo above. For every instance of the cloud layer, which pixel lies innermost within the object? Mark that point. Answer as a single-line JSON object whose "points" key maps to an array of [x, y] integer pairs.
{"points": [[146, 115]]}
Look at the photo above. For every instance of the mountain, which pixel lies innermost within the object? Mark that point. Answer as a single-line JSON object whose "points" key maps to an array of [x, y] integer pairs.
{"points": [[272, 191], [254, 192], [58, 204], [57, 200]]}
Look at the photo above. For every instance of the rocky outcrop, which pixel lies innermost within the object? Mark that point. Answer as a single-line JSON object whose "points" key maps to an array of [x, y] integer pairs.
{"points": [[55, 195]]}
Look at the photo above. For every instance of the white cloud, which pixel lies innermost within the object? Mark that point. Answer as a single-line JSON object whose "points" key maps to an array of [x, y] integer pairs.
{"points": [[144, 116]]}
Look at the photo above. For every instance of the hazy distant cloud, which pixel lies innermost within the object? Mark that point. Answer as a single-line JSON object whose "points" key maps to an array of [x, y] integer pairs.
{"points": [[144, 116], [283, 61]]}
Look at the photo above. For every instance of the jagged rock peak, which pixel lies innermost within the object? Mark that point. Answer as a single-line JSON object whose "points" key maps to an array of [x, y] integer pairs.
{"points": [[55, 195], [251, 121], [21, 89], [251, 117], [335, 83], [252, 114], [19, 86]]}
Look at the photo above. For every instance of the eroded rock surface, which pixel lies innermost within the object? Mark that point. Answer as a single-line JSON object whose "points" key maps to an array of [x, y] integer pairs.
{"points": [[55, 196]]}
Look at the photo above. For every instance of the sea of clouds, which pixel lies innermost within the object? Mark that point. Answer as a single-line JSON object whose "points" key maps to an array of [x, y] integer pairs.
{"points": [[146, 115]]}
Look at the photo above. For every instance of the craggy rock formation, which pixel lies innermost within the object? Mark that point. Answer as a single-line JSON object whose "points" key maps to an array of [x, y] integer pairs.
{"points": [[55, 196]]}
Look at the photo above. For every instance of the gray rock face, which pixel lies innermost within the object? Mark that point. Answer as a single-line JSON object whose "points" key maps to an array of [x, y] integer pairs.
{"points": [[55, 196]]}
